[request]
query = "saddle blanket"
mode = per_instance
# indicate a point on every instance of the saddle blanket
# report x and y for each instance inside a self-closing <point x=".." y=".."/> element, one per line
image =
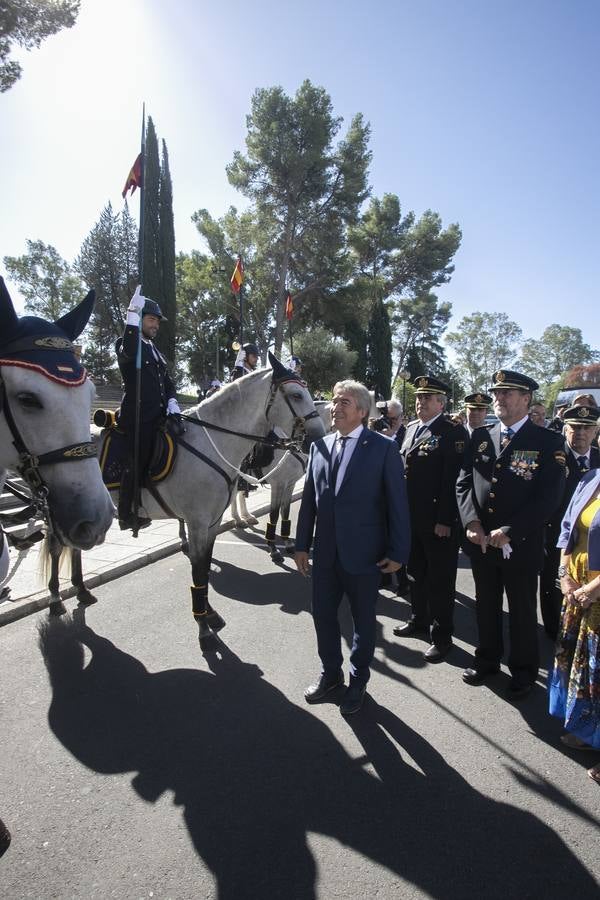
<point x="113" y="456"/>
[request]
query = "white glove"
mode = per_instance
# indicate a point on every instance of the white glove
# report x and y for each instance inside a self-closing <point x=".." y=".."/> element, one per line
<point x="240" y="358"/>
<point x="506" y="551"/>
<point x="137" y="302"/>
<point x="173" y="407"/>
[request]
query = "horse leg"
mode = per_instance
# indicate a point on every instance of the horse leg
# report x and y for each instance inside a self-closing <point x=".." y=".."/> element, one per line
<point x="185" y="546"/>
<point x="204" y="614"/>
<point x="247" y="517"/>
<point x="235" y="515"/>
<point x="286" y="527"/>
<point x="271" y="531"/>
<point x="55" y="549"/>
<point x="84" y="596"/>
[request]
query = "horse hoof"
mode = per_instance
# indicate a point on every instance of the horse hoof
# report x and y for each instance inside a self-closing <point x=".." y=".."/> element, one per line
<point x="215" y="621"/>
<point x="240" y="523"/>
<point x="277" y="557"/>
<point x="208" y="642"/>
<point x="251" y="520"/>
<point x="86" y="598"/>
<point x="57" y="608"/>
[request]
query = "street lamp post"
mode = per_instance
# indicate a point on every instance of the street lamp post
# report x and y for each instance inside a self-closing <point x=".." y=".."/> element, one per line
<point x="404" y="375"/>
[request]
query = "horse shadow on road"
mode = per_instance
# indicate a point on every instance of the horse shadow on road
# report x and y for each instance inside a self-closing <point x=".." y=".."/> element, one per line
<point x="255" y="774"/>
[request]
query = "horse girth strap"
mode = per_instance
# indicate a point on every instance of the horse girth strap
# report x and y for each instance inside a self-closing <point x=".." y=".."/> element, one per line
<point x="208" y="461"/>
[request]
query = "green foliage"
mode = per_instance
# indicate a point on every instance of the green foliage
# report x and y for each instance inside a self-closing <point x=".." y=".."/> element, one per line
<point x="326" y="360"/>
<point x="418" y="323"/>
<point x="47" y="282"/>
<point x="483" y="343"/>
<point x="379" y="351"/>
<point x="107" y="262"/>
<point x="305" y="191"/>
<point x="168" y="329"/>
<point x="27" y="23"/>
<point x="559" y="349"/>
<point x="151" y="256"/>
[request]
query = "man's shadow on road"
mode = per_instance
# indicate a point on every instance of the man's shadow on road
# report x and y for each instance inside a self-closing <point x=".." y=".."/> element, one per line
<point x="255" y="774"/>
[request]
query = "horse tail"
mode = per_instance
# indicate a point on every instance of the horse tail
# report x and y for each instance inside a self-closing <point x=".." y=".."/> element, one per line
<point x="51" y="549"/>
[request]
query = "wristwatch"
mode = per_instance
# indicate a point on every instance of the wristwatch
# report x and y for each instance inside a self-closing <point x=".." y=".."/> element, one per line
<point x="562" y="571"/>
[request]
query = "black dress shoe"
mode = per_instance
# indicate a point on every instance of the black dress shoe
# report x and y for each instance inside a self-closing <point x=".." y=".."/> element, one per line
<point x="409" y="628"/>
<point x="437" y="652"/>
<point x="353" y="699"/>
<point x="518" y="689"/>
<point x="478" y="676"/>
<point x="4" y="838"/>
<point x="322" y="687"/>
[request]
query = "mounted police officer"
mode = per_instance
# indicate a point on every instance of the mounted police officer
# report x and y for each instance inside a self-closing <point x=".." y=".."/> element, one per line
<point x="246" y="361"/>
<point x="157" y="395"/>
<point x="580" y="429"/>
<point x="510" y="486"/>
<point x="432" y="451"/>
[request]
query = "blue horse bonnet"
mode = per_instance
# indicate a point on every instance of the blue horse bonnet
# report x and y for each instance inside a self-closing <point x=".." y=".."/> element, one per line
<point x="42" y="346"/>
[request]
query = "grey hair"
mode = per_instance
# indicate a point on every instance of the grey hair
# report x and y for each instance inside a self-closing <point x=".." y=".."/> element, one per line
<point x="395" y="404"/>
<point x="358" y="391"/>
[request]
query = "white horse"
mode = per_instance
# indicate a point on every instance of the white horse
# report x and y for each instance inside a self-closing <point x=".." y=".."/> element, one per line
<point x="220" y="432"/>
<point x="282" y="474"/>
<point x="45" y="404"/>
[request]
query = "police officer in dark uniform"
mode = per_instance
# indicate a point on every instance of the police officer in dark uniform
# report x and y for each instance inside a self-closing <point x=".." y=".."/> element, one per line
<point x="246" y="361"/>
<point x="433" y="450"/>
<point x="580" y="429"/>
<point x="158" y="396"/>
<point x="477" y="406"/>
<point x="510" y="486"/>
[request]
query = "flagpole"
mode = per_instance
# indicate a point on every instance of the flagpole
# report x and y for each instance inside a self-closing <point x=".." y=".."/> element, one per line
<point x="241" y="310"/>
<point x="138" y="359"/>
<point x="291" y="337"/>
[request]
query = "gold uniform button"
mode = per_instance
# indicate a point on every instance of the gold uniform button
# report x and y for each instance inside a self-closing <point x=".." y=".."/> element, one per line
<point x="498" y="465"/>
<point x="494" y="480"/>
<point x="492" y="495"/>
<point x="490" y="510"/>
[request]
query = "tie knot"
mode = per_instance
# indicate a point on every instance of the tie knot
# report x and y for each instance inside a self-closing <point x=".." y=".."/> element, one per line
<point x="582" y="460"/>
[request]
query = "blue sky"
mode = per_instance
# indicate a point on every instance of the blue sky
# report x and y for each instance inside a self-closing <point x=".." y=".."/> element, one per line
<point x="486" y="112"/>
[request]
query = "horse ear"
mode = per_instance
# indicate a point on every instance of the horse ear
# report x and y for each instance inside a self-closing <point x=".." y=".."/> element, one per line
<point x="8" y="316"/>
<point x="279" y="370"/>
<point x="75" y="321"/>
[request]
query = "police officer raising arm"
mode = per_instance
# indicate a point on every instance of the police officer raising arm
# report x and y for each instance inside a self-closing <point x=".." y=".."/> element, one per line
<point x="157" y="395"/>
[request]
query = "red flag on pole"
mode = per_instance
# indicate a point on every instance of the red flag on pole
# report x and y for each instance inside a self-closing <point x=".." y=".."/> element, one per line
<point x="289" y="307"/>
<point x="237" y="278"/>
<point x="134" y="179"/>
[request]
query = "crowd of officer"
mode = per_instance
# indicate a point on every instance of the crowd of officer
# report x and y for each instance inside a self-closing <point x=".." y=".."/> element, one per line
<point x="496" y="486"/>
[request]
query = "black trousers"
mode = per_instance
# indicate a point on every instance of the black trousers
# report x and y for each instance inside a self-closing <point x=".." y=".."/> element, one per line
<point x="550" y="594"/>
<point x="127" y="489"/>
<point x="432" y="565"/>
<point x="493" y="576"/>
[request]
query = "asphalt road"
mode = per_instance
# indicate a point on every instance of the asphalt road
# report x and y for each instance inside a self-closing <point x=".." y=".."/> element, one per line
<point x="132" y="766"/>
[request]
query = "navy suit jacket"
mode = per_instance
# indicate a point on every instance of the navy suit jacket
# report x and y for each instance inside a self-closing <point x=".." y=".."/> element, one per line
<point x="368" y="519"/>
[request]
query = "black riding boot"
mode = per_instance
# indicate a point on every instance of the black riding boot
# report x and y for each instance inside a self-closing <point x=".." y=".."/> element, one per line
<point x="126" y="517"/>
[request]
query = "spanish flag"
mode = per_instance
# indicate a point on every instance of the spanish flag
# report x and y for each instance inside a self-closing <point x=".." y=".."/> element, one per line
<point x="237" y="278"/>
<point x="289" y="307"/>
<point x="134" y="179"/>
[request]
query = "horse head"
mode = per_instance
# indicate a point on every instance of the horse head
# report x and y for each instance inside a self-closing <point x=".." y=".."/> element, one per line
<point x="45" y="404"/>
<point x="292" y="403"/>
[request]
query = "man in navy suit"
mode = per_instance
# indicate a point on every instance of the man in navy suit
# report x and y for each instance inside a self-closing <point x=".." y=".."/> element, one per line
<point x="354" y="501"/>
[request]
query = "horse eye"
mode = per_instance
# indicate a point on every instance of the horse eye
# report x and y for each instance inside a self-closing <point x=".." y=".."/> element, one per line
<point x="29" y="401"/>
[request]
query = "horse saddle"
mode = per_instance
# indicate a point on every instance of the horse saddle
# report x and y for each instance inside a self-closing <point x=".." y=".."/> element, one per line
<point x="113" y="456"/>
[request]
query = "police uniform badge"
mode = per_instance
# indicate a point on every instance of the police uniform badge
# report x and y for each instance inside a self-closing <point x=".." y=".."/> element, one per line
<point x="560" y="457"/>
<point x="421" y="382"/>
<point x="482" y="446"/>
<point x="459" y="446"/>
<point x="583" y="412"/>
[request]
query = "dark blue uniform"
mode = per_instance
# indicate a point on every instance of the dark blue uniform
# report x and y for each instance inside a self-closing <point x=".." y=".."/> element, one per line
<point x="516" y="489"/>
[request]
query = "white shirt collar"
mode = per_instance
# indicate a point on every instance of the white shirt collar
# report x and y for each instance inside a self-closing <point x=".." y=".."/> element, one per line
<point x="353" y="434"/>
<point x="516" y="426"/>
<point x="429" y="423"/>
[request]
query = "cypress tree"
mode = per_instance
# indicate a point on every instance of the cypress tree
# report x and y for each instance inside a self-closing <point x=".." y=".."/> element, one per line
<point x="167" y="333"/>
<point x="379" y="352"/>
<point x="152" y="257"/>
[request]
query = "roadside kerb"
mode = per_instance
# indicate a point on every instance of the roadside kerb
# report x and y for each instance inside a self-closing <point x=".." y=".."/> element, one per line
<point x="11" y="611"/>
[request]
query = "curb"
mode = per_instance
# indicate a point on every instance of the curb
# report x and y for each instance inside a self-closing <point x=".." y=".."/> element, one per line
<point x="20" y="608"/>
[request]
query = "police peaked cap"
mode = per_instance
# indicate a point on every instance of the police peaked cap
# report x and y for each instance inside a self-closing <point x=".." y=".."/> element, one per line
<point x="151" y="308"/>
<point x="429" y="384"/>
<point x="478" y="401"/>
<point x="581" y="415"/>
<point x="506" y="380"/>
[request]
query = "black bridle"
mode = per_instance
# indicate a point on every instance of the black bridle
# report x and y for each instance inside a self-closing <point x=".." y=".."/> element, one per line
<point x="292" y="443"/>
<point x="29" y="463"/>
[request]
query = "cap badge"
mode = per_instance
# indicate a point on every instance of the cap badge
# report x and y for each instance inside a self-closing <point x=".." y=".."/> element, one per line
<point x="500" y="376"/>
<point x="583" y="412"/>
<point x="421" y="382"/>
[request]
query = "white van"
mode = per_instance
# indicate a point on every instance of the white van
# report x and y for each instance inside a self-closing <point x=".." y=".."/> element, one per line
<point x="566" y="397"/>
